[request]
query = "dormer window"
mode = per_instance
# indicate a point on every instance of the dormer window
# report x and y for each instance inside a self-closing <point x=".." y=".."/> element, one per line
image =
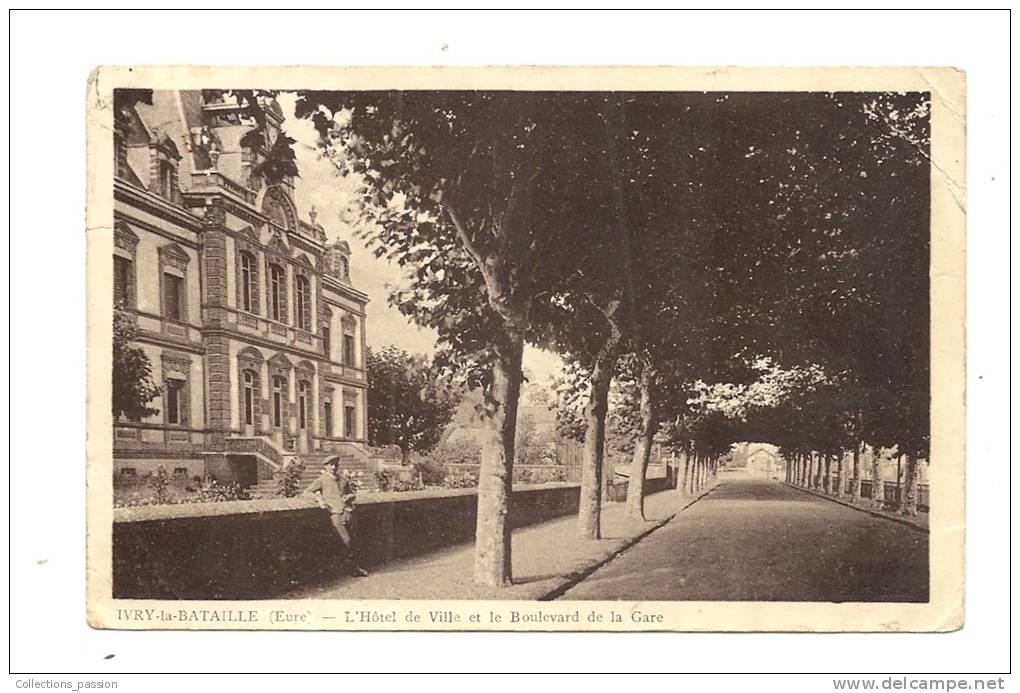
<point x="119" y="154"/>
<point x="167" y="179"/>
<point x="163" y="172"/>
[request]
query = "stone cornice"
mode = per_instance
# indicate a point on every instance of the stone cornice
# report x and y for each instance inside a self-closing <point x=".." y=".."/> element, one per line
<point x="154" y="204"/>
<point x="248" y="338"/>
<point x="121" y="215"/>
<point x="146" y="337"/>
<point x="231" y="203"/>
<point x="308" y="244"/>
<point x="349" y="291"/>
<point x="341" y="380"/>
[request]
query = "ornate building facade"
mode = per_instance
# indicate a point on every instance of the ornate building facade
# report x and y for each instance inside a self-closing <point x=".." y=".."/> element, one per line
<point x="244" y="309"/>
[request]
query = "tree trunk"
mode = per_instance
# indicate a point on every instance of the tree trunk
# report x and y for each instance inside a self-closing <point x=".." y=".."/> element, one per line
<point x="908" y="501"/>
<point x="590" y="511"/>
<point x="608" y="477"/>
<point x="405" y="456"/>
<point x="681" y="476"/>
<point x="899" y="482"/>
<point x="492" y="564"/>
<point x="642" y="447"/>
<point x="840" y="483"/>
<point x="828" y="474"/>
<point x="855" y="481"/>
<point x="877" y="486"/>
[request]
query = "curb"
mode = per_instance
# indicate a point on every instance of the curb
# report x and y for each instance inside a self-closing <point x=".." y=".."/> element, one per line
<point x="876" y="513"/>
<point x="587" y="569"/>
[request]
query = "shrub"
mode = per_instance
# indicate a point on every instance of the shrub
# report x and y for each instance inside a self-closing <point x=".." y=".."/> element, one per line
<point x="160" y="485"/>
<point x="391" y="481"/>
<point x="538" y="476"/>
<point x="288" y="481"/>
<point x="213" y="491"/>
<point x="463" y="451"/>
<point x="461" y="480"/>
<point x="429" y="474"/>
<point x="385" y="480"/>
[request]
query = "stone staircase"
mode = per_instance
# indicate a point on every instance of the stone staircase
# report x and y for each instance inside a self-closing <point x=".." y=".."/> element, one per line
<point x="313" y="462"/>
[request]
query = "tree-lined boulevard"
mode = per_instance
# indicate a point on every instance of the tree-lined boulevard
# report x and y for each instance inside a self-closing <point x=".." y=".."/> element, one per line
<point x="737" y="266"/>
<point x="759" y="540"/>
<point x="711" y="268"/>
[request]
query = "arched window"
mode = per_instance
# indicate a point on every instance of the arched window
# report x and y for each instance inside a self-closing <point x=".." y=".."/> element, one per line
<point x="277" y="293"/>
<point x="304" y="396"/>
<point x="303" y="302"/>
<point x="279" y="392"/>
<point x="249" y="282"/>
<point x="250" y="393"/>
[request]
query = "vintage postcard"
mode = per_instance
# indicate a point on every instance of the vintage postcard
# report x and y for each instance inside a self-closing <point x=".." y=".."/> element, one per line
<point x="526" y="348"/>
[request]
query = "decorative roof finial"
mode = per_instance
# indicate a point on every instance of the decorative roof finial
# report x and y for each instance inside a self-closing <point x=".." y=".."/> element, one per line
<point x="312" y="213"/>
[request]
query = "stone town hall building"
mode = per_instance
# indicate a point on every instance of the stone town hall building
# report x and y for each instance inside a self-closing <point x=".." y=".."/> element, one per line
<point x="244" y="308"/>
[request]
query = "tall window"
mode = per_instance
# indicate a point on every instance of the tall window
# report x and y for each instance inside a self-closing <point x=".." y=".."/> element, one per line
<point x="279" y="387"/>
<point x="327" y="345"/>
<point x="304" y="394"/>
<point x="249" y="398"/>
<point x="327" y="413"/>
<point x="277" y="298"/>
<point x="174" y="401"/>
<point x="249" y="282"/>
<point x="303" y="303"/>
<point x="350" y="421"/>
<point x="173" y="295"/>
<point x="349" y="350"/>
<point x="121" y="280"/>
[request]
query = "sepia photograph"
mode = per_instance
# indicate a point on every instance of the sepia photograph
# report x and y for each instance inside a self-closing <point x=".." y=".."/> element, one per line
<point x="401" y="350"/>
<point x="353" y="344"/>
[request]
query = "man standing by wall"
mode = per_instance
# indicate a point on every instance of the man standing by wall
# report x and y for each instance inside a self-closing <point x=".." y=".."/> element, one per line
<point x="336" y="494"/>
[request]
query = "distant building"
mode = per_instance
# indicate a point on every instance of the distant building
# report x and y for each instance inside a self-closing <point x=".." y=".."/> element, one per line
<point x="764" y="463"/>
<point x="244" y="309"/>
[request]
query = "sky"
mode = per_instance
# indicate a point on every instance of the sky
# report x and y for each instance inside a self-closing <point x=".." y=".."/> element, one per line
<point x="334" y="197"/>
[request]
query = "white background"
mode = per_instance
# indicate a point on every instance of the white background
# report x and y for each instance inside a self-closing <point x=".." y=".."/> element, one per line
<point x="51" y="56"/>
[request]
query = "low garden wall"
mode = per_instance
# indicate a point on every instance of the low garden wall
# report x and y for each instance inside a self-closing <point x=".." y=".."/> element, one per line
<point x="619" y="488"/>
<point x="252" y="549"/>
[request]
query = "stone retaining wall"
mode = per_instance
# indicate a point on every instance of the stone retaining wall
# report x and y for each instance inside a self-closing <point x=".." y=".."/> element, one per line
<point x="253" y="549"/>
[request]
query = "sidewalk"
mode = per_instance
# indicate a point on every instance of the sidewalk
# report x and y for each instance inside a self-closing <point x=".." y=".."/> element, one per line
<point x="919" y="521"/>
<point x="547" y="559"/>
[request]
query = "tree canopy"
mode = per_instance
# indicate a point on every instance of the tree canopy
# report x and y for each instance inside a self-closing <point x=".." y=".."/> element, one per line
<point x="410" y="405"/>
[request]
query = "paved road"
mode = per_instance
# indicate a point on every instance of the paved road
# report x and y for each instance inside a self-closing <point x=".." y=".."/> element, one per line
<point x="759" y="540"/>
